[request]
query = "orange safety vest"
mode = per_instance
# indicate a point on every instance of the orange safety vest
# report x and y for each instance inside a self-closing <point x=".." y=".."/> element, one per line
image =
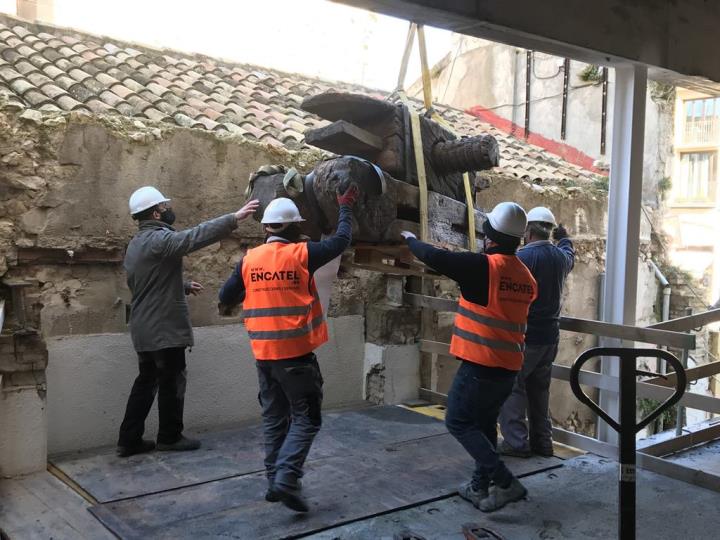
<point x="282" y="310"/>
<point x="494" y="335"/>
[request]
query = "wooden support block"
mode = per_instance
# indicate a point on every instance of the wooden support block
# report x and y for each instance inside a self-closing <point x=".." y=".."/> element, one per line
<point x="38" y="255"/>
<point x="342" y="137"/>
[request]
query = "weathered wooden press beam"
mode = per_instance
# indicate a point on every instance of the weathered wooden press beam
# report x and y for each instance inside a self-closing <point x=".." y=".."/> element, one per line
<point x="379" y="131"/>
<point x="386" y="206"/>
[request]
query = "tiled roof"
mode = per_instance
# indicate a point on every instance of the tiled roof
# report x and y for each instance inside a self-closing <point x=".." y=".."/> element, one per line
<point x="58" y="69"/>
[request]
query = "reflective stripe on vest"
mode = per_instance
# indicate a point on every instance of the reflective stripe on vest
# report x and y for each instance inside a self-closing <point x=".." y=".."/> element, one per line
<point x="492" y="343"/>
<point x="275" y="311"/>
<point x="494" y="335"/>
<point x="489" y="321"/>
<point x="282" y="313"/>
<point x="287" y="334"/>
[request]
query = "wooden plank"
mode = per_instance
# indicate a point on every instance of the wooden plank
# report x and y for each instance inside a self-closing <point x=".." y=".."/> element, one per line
<point x="342" y="137"/>
<point x="354" y="108"/>
<point x="434" y="347"/>
<point x="422" y="301"/>
<point x="685" y="324"/>
<point x="37" y="255"/>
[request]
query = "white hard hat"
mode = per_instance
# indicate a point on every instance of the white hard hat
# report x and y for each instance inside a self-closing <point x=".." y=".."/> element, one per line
<point x="281" y="210"/>
<point x="541" y="214"/>
<point x="508" y="218"/>
<point x="144" y="198"/>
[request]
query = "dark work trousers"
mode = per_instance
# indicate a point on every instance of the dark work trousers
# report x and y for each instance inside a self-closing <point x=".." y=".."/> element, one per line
<point x="161" y="372"/>
<point x="531" y="396"/>
<point x="291" y="400"/>
<point x="473" y="405"/>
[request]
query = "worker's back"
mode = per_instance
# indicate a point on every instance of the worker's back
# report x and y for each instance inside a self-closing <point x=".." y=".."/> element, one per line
<point x="160" y="316"/>
<point x="550" y="266"/>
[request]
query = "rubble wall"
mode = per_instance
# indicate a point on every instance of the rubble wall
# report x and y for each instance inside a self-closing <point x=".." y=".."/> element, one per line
<point x="64" y="185"/>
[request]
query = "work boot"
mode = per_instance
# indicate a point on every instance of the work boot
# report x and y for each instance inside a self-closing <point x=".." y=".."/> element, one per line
<point x="141" y="448"/>
<point x="472" y="492"/>
<point x="271" y="495"/>
<point x="499" y="497"/>
<point x="183" y="444"/>
<point x="292" y="498"/>
<point x="505" y="449"/>
<point x="543" y="451"/>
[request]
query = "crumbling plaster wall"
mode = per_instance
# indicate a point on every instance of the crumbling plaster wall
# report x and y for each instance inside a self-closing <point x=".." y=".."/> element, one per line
<point x="64" y="183"/>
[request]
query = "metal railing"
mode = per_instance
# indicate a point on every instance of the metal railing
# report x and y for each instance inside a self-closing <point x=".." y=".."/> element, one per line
<point x="704" y="131"/>
<point x="673" y="334"/>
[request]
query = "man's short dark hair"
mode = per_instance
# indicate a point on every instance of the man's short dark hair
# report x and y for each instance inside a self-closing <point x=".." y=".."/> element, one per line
<point x="540" y="230"/>
<point x="145" y="214"/>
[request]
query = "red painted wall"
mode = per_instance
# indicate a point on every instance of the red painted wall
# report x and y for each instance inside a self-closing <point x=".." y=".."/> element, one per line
<point x="565" y="151"/>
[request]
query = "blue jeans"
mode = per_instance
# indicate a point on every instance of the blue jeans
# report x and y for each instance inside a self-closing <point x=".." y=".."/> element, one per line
<point x="474" y="402"/>
<point x="291" y="399"/>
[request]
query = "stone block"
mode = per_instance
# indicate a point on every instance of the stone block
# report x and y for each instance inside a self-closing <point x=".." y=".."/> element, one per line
<point x="23" y="424"/>
<point x="34" y="221"/>
<point x="392" y="325"/>
<point x="22" y="353"/>
<point x="391" y="373"/>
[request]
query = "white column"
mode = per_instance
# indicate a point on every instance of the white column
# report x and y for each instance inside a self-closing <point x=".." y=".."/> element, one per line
<point x="624" y="209"/>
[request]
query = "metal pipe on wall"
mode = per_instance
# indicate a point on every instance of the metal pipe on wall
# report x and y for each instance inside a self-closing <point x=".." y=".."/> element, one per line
<point x="528" y="75"/>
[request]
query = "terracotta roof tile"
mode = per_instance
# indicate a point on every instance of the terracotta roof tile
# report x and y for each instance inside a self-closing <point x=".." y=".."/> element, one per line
<point x="38" y="60"/>
<point x="36" y="98"/>
<point x="53" y="91"/>
<point x="59" y="69"/>
<point x="157" y="116"/>
<point x="81" y="92"/>
<point x="97" y="106"/>
<point x="63" y="81"/>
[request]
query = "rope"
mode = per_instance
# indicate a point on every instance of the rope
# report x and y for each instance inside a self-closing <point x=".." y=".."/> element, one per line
<point x="417" y="134"/>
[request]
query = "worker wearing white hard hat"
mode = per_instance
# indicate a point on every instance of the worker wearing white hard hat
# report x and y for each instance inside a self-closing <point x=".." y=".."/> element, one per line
<point x="488" y="338"/>
<point x="160" y="323"/>
<point x="285" y="322"/>
<point x="525" y="417"/>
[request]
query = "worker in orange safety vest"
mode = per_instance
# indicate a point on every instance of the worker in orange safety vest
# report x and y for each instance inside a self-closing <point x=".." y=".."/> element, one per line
<point x="285" y="323"/>
<point x="488" y="338"/>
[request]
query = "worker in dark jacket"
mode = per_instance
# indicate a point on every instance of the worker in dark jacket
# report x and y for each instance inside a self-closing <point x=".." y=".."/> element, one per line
<point x="285" y="323"/>
<point x="550" y="265"/>
<point x="488" y="336"/>
<point x="160" y="321"/>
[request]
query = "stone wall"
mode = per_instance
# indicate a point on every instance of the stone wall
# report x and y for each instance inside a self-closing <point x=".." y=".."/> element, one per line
<point x="64" y="184"/>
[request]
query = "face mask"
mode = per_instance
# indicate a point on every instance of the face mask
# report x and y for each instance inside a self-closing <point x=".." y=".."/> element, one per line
<point x="168" y="216"/>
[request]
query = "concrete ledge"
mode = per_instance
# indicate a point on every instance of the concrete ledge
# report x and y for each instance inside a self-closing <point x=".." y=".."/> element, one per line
<point x="23" y="428"/>
<point x="391" y="373"/>
<point x="89" y="379"/>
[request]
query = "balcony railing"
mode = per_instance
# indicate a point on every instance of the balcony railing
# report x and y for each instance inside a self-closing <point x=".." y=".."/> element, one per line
<point x="700" y="132"/>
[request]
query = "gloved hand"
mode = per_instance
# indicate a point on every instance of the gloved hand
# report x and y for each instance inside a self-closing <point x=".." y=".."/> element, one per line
<point x="407" y="234"/>
<point x="559" y="233"/>
<point x="350" y="196"/>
